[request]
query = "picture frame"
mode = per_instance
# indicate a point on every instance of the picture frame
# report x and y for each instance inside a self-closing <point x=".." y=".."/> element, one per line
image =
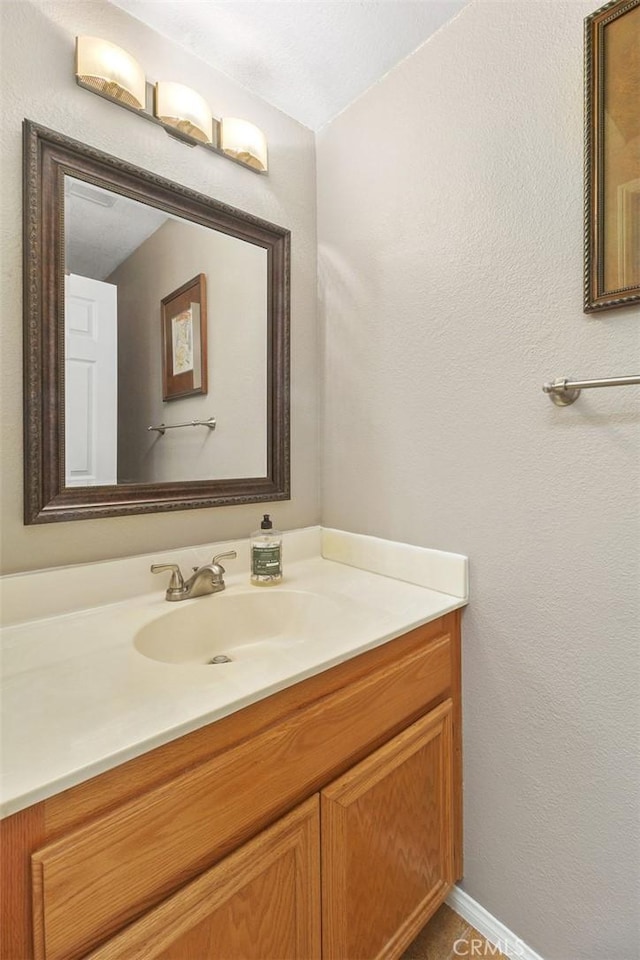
<point x="612" y="156"/>
<point x="184" y="340"/>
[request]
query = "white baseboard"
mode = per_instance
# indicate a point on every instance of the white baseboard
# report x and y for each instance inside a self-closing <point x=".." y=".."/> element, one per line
<point x="490" y="927"/>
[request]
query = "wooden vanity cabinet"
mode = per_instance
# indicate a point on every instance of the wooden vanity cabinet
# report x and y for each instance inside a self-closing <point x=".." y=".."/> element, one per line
<point x="321" y="821"/>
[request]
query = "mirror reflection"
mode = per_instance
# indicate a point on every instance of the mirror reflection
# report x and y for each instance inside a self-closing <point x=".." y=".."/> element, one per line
<point x="166" y="322"/>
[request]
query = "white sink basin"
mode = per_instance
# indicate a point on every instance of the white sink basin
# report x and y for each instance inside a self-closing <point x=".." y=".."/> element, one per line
<point x="240" y="626"/>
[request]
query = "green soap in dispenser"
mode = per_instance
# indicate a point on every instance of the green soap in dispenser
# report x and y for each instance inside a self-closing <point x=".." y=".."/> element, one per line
<point x="266" y="554"/>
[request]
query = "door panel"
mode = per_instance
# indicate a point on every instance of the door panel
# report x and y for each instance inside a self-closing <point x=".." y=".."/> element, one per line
<point x="91" y="382"/>
<point x="260" y="903"/>
<point x="387" y="843"/>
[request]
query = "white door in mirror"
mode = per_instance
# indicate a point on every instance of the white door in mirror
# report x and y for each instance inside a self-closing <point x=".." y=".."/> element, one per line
<point x="91" y="377"/>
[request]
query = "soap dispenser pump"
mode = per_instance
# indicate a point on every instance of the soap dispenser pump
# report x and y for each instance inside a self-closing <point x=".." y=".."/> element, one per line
<point x="266" y="554"/>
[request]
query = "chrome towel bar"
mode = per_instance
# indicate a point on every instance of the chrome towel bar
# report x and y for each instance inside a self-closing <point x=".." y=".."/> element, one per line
<point x="563" y="392"/>
<point x="211" y="423"/>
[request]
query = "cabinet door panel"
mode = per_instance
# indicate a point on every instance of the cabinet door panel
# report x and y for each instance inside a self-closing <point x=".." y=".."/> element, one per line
<point x="387" y="843"/>
<point x="261" y="903"/>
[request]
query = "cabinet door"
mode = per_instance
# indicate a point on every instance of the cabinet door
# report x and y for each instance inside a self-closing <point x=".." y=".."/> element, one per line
<point x="387" y="843"/>
<point x="260" y="903"/>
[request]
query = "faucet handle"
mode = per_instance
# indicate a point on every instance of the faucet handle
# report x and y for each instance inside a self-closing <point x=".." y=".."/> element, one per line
<point x="176" y="584"/>
<point x="222" y="556"/>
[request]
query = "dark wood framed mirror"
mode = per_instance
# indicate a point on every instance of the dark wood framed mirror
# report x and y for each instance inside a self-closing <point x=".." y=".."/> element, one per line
<point x="104" y="243"/>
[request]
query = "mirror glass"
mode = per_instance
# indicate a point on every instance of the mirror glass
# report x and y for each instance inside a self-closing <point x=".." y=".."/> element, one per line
<point x="156" y="331"/>
<point x="122" y="259"/>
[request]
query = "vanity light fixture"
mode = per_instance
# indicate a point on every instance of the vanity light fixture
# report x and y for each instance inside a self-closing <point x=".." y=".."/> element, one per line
<point x="110" y="72"/>
<point x="181" y="107"/>
<point x="243" y="141"/>
<point x="104" y="68"/>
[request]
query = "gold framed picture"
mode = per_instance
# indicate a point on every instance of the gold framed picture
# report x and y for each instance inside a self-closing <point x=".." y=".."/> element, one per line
<point x="612" y="156"/>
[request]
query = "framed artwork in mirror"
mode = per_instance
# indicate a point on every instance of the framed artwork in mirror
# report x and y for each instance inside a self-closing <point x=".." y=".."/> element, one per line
<point x="612" y="156"/>
<point x="184" y="340"/>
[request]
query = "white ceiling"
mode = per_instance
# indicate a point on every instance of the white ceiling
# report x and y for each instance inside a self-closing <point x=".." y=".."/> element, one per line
<point x="309" y="58"/>
<point x="102" y="228"/>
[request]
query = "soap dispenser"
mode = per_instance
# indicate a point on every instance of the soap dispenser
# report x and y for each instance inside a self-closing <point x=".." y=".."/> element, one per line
<point x="266" y="554"/>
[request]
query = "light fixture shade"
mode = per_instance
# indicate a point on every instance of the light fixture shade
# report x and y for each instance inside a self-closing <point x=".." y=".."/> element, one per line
<point x="243" y="141"/>
<point x="110" y="71"/>
<point x="181" y="107"/>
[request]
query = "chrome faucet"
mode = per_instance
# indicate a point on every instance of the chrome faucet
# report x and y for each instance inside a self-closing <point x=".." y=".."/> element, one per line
<point x="204" y="580"/>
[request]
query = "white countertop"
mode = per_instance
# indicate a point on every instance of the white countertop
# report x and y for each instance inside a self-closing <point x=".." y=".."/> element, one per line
<point x="78" y="698"/>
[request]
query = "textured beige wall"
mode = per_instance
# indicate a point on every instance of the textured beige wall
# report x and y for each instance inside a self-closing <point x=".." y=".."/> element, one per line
<point x="450" y="252"/>
<point x="236" y="286"/>
<point x="37" y="82"/>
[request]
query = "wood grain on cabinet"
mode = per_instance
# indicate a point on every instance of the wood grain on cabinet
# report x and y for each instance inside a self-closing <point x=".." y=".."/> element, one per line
<point x="93" y="880"/>
<point x="456" y="729"/>
<point x="19" y="835"/>
<point x="387" y="843"/>
<point x="262" y="901"/>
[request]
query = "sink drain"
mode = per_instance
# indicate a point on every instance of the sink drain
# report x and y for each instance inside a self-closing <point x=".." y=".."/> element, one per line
<point x="221" y="658"/>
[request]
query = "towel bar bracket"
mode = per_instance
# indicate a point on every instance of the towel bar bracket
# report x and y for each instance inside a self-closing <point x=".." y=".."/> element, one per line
<point x="560" y="393"/>
<point x="564" y="392"/>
